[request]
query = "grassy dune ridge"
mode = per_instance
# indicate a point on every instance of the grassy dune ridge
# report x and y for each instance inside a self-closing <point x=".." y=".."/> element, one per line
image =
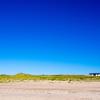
<point x="22" y="77"/>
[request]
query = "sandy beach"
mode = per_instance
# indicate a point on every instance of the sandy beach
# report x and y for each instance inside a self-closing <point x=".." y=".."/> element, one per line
<point x="50" y="90"/>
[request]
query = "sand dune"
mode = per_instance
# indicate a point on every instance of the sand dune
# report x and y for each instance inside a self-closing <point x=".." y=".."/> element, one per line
<point x="50" y="90"/>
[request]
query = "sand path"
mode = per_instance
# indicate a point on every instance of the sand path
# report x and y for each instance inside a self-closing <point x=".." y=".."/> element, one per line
<point x="48" y="90"/>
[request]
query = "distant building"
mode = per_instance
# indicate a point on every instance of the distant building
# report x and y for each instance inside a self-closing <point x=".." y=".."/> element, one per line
<point x="94" y="74"/>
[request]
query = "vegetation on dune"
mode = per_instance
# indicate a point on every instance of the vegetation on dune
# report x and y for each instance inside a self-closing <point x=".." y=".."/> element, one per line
<point x="22" y="77"/>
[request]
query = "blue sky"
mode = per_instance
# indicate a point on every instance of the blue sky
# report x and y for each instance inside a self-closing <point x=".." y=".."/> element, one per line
<point x="49" y="36"/>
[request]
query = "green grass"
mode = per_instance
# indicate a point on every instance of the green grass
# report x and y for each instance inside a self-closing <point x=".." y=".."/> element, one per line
<point x="22" y="77"/>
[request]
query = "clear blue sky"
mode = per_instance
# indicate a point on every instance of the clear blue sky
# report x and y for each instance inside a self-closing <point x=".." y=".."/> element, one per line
<point x="49" y="36"/>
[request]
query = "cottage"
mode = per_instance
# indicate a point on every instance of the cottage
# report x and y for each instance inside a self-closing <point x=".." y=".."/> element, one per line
<point x="94" y="74"/>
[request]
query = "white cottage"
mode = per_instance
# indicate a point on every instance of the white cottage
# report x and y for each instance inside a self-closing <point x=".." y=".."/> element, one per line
<point x="94" y="74"/>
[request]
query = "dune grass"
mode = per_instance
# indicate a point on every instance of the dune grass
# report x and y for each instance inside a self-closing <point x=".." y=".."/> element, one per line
<point x="22" y="77"/>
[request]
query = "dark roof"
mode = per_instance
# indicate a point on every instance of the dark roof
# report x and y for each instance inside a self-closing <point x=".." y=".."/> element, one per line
<point x="94" y="73"/>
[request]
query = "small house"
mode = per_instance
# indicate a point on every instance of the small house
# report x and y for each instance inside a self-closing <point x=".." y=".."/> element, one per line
<point x="94" y="74"/>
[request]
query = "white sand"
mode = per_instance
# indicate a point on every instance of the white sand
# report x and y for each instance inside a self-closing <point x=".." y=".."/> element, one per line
<point x="48" y="90"/>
